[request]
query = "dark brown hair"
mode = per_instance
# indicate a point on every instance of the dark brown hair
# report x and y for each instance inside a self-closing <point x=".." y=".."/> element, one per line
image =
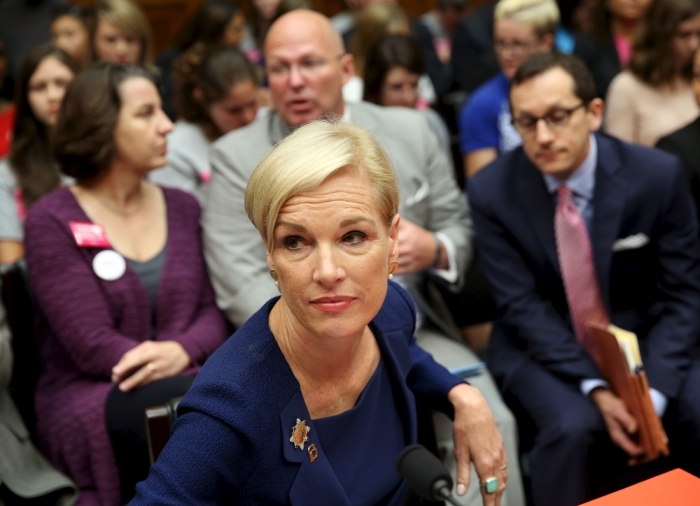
<point x="653" y="60"/>
<point x="83" y="143"/>
<point x="207" y="25"/>
<point x="214" y="71"/>
<point x="539" y="63"/>
<point x="30" y="156"/>
<point x="389" y="52"/>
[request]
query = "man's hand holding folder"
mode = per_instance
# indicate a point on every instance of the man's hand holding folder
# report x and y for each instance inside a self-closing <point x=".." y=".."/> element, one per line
<point x="641" y="435"/>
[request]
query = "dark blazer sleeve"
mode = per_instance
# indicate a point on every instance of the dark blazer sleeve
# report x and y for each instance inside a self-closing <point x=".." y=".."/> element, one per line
<point x="667" y="347"/>
<point x="426" y="378"/>
<point x="685" y="144"/>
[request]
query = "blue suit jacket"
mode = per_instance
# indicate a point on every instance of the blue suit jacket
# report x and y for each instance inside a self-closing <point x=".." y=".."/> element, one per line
<point x="653" y="290"/>
<point x="230" y="443"/>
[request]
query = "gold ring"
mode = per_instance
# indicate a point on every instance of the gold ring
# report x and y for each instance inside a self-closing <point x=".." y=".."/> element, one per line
<point x="151" y="367"/>
<point x="504" y="467"/>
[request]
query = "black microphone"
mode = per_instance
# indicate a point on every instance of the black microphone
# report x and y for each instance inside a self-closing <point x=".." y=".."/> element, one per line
<point x="425" y="474"/>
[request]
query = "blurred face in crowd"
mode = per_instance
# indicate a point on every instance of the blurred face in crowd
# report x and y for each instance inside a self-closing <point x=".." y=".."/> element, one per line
<point x="514" y="42"/>
<point x="139" y="136"/>
<point x="686" y="40"/>
<point x="47" y="86"/>
<point x="112" y="44"/>
<point x="400" y="88"/>
<point x="235" y="30"/>
<point x="70" y="34"/>
<point x="553" y="122"/>
<point x="237" y="109"/>
<point x="629" y="10"/>
<point x="266" y="8"/>
<point x="331" y="251"/>
<point x="306" y="67"/>
<point x="696" y="76"/>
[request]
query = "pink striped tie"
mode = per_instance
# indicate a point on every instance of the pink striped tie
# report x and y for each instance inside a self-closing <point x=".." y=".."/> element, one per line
<point x="577" y="269"/>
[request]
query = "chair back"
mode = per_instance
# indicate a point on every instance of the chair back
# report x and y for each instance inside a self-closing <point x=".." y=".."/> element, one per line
<point x="19" y="308"/>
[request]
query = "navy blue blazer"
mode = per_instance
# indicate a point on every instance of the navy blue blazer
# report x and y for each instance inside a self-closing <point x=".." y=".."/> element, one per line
<point x="230" y="443"/>
<point x="650" y="286"/>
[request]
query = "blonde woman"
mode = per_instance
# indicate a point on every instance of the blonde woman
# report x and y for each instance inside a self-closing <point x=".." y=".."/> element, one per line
<point x="521" y="28"/>
<point x="122" y="33"/>
<point x="315" y="395"/>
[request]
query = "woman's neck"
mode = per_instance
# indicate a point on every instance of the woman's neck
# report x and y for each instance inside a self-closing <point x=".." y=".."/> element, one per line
<point x="120" y="190"/>
<point x="318" y="359"/>
<point x="624" y="28"/>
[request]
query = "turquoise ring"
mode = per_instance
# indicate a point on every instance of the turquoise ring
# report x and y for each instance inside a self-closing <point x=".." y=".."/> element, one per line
<point x="490" y="485"/>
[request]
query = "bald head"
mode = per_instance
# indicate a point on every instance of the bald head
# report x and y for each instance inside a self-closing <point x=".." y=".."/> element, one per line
<point x="305" y="23"/>
<point x="306" y="67"/>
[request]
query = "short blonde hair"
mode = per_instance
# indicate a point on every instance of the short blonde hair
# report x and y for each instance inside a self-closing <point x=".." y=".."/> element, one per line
<point x="309" y="156"/>
<point x="542" y="15"/>
<point x="130" y="19"/>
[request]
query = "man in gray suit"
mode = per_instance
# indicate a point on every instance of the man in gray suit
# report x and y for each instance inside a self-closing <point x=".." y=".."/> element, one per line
<point x="306" y="68"/>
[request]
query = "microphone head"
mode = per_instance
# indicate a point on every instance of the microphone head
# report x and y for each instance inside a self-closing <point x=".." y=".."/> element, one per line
<point x="423" y="471"/>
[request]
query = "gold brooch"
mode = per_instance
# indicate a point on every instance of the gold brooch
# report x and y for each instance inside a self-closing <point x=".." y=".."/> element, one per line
<point x="300" y="434"/>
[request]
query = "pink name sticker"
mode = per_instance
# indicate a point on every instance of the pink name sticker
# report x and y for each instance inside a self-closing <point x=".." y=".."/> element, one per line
<point x="89" y="235"/>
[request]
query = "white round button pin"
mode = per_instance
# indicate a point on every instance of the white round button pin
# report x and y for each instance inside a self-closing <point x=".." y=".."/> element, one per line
<point x="109" y="265"/>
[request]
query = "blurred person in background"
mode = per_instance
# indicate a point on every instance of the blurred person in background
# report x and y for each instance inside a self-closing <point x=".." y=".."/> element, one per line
<point x="441" y="22"/>
<point x="70" y="30"/>
<point x="263" y="14"/>
<point x="126" y="313"/>
<point x="122" y="33"/>
<point x="216" y="22"/>
<point x="7" y="108"/>
<point x="371" y="24"/>
<point x="653" y="96"/>
<point x="608" y="49"/>
<point x="521" y="28"/>
<point x="30" y="171"/>
<point x="685" y="142"/>
<point x="216" y="91"/>
<point x="393" y="68"/>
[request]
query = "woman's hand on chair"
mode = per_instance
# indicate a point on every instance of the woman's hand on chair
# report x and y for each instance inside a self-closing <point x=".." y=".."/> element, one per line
<point x="149" y="361"/>
<point x="477" y="440"/>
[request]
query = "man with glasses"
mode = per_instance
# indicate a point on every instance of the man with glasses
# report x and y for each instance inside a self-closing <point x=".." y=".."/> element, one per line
<point x="306" y="70"/>
<point x="520" y="28"/>
<point x="639" y="229"/>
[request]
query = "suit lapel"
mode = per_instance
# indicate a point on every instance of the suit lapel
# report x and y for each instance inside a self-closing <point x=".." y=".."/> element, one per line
<point x="608" y="206"/>
<point x="538" y="204"/>
<point x="314" y="479"/>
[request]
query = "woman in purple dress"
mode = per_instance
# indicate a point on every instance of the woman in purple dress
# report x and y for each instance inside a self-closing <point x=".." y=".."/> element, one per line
<point x="126" y="311"/>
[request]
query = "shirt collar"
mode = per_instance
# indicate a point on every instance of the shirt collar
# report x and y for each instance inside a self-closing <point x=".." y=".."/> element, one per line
<point x="582" y="181"/>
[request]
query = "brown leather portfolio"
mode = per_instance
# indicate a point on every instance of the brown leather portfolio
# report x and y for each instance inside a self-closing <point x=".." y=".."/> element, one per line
<point x="618" y="358"/>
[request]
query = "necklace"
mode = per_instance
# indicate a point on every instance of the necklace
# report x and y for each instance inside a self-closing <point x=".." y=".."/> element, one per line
<point x="124" y="214"/>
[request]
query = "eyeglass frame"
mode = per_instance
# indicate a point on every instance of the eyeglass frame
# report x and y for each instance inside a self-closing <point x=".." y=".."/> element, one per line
<point x="318" y="63"/>
<point x="518" y="47"/>
<point x="552" y="126"/>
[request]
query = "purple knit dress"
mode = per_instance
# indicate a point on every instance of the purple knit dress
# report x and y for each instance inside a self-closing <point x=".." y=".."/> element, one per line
<point x="86" y="324"/>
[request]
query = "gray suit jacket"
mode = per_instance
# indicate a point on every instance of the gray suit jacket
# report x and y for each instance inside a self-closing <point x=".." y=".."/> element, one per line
<point x="22" y="468"/>
<point x="234" y="250"/>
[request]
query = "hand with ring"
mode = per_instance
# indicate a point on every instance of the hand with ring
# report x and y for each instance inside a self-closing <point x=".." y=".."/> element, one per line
<point x="477" y="440"/>
<point x="149" y="361"/>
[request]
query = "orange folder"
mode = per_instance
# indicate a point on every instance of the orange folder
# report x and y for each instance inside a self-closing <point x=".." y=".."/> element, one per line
<point x="617" y="355"/>
<point x="675" y="488"/>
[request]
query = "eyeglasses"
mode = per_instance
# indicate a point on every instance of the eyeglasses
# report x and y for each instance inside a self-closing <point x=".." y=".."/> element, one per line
<point x="306" y="67"/>
<point x="516" y="47"/>
<point x="554" y="119"/>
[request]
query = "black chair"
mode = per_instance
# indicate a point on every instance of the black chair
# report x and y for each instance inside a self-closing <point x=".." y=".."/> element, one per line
<point x="19" y="307"/>
<point x="159" y="420"/>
